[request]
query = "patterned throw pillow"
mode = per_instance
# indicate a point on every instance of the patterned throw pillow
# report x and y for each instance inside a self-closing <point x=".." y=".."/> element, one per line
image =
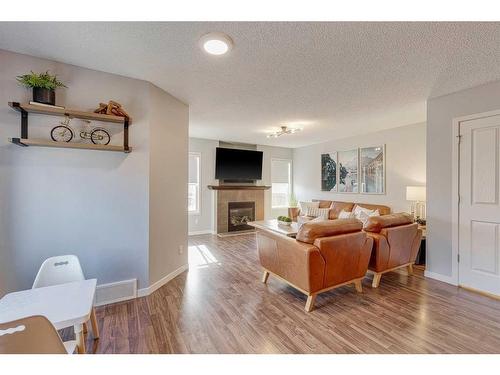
<point x="363" y="214"/>
<point x="346" y="215"/>
<point x="318" y="212"/>
<point x="304" y="205"/>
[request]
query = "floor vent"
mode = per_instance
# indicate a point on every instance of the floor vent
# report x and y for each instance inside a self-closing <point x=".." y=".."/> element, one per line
<point x="115" y="292"/>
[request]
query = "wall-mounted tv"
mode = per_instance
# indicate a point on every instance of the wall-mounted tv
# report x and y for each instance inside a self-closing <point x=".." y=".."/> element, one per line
<point x="235" y="164"/>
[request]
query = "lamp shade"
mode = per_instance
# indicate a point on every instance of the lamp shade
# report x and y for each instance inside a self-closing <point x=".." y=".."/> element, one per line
<point x="415" y="193"/>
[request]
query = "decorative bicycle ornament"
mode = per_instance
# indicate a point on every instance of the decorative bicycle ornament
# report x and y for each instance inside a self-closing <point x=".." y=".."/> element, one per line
<point x="64" y="133"/>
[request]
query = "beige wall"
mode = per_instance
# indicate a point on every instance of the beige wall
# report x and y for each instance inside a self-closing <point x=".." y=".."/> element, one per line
<point x="405" y="165"/>
<point x="167" y="184"/>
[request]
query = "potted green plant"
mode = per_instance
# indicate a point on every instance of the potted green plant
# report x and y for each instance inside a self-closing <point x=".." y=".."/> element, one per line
<point x="44" y="86"/>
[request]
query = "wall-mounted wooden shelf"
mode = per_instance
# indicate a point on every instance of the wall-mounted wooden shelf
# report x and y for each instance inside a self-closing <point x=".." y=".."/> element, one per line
<point x="25" y="141"/>
<point x="30" y="108"/>
<point x="81" y="146"/>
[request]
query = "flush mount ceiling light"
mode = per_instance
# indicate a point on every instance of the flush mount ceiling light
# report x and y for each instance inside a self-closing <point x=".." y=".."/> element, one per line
<point x="284" y="130"/>
<point x="216" y="43"/>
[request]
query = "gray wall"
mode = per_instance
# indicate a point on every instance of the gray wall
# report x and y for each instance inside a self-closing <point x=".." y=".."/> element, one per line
<point x="205" y="220"/>
<point x="405" y="165"/>
<point x="90" y="203"/>
<point x="440" y="114"/>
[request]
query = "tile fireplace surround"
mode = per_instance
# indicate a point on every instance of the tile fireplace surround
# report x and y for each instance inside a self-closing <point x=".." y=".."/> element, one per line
<point x="224" y="194"/>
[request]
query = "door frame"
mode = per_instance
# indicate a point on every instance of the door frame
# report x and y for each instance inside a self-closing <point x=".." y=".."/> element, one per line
<point x="455" y="191"/>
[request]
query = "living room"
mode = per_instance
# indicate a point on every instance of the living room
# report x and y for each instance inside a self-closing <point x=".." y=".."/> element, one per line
<point x="249" y="188"/>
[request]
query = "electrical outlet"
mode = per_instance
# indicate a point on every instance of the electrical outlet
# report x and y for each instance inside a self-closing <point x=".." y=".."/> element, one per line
<point x="181" y="249"/>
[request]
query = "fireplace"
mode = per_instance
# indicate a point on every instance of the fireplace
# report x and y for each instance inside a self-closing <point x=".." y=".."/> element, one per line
<point x="239" y="214"/>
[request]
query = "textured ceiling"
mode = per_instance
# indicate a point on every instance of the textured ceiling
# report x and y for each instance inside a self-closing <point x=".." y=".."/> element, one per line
<point x="333" y="79"/>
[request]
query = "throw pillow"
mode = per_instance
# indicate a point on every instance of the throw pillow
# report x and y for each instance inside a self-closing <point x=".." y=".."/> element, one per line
<point x="346" y="215"/>
<point x="363" y="215"/>
<point x="303" y="206"/>
<point x="318" y="212"/>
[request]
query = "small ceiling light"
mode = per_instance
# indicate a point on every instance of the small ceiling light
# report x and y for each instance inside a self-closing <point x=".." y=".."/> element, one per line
<point x="284" y="130"/>
<point x="216" y="43"/>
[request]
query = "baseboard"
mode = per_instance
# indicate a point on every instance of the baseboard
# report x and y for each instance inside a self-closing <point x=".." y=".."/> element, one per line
<point x="115" y="292"/>
<point x="147" y="291"/>
<point x="198" y="232"/>
<point x="438" y="276"/>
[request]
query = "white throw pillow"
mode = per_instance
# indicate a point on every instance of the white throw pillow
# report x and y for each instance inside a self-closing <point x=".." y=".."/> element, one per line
<point x="304" y="205"/>
<point x="346" y="215"/>
<point x="363" y="214"/>
<point x="318" y="212"/>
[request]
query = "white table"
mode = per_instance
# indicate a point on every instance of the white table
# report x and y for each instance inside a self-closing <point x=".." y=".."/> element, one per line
<point x="65" y="305"/>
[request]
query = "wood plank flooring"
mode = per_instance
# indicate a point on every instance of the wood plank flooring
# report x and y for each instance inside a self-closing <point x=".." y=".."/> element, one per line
<point x="221" y="306"/>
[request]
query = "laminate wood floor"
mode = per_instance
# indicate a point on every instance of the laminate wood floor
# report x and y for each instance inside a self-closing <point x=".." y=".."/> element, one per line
<point x="221" y="306"/>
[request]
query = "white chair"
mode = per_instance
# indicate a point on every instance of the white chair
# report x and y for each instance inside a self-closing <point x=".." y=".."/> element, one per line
<point x="61" y="270"/>
<point x="32" y="335"/>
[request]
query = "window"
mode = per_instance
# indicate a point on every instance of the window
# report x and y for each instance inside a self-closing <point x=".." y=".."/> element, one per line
<point x="281" y="182"/>
<point x="194" y="183"/>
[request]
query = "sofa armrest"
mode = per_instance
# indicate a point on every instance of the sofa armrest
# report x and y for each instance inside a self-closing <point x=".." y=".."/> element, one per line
<point x="346" y="256"/>
<point x="298" y="263"/>
<point x="380" y="254"/>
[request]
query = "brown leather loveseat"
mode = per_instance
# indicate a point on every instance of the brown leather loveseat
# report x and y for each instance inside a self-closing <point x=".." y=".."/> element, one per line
<point x="396" y="240"/>
<point x="324" y="255"/>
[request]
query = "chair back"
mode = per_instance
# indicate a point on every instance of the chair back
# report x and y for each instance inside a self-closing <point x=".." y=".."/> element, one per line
<point x="59" y="270"/>
<point x="31" y="335"/>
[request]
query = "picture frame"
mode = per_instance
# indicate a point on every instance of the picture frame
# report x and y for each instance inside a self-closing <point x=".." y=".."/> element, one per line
<point x="372" y="173"/>
<point x="329" y="172"/>
<point x="348" y="171"/>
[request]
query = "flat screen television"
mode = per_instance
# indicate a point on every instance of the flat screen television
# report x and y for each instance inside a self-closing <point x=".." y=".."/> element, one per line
<point x="238" y="165"/>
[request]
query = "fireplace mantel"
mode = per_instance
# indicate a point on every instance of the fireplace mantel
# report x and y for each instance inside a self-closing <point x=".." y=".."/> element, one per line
<point x="238" y="187"/>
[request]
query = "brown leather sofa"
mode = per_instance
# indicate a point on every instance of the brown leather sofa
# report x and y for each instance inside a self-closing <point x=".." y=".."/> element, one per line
<point x="396" y="240"/>
<point x="324" y="255"/>
<point x="336" y="207"/>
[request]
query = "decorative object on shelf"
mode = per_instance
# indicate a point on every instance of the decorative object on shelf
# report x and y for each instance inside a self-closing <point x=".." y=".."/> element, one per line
<point x="417" y="195"/>
<point x="284" y="220"/>
<point x="372" y="169"/>
<point x="284" y="130"/>
<point x="64" y="133"/>
<point x="348" y="161"/>
<point x="25" y="141"/>
<point x="112" y="108"/>
<point x="44" y="86"/>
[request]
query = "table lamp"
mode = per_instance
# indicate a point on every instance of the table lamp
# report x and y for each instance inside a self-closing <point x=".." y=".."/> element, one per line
<point x="416" y="194"/>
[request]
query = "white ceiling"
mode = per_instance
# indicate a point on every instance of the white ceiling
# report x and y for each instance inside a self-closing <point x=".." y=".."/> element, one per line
<point x="332" y="79"/>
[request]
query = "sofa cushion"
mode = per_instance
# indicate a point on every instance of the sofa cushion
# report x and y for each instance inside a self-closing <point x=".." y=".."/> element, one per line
<point x="323" y="203"/>
<point x="337" y="207"/>
<point x="310" y="231"/>
<point x="376" y="223"/>
<point x="346" y="215"/>
<point x="383" y="210"/>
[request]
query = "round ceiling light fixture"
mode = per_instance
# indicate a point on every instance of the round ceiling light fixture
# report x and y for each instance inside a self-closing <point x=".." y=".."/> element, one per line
<point x="216" y="43"/>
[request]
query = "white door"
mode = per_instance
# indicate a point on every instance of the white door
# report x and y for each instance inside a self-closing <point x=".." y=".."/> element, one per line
<point x="479" y="210"/>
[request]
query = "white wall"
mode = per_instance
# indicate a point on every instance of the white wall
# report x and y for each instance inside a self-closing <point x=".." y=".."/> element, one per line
<point x="93" y="204"/>
<point x="167" y="185"/>
<point x="405" y="165"/>
<point x="204" y="222"/>
<point x="269" y="154"/>
<point x="440" y="114"/>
